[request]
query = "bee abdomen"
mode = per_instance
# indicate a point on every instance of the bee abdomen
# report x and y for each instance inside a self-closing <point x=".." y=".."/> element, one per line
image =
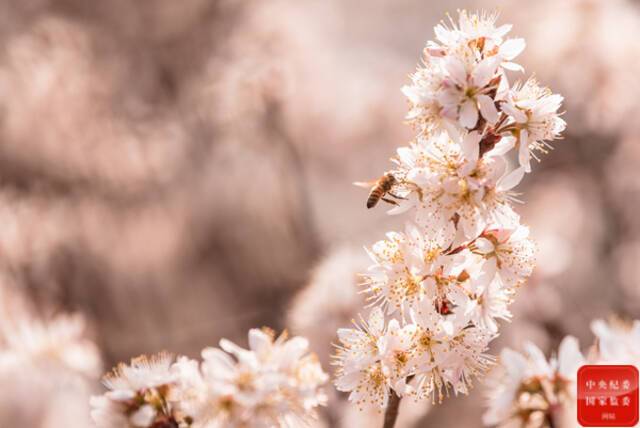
<point x="374" y="197"/>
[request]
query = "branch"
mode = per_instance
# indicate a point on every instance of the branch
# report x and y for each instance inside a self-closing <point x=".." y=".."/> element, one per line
<point x="391" y="413"/>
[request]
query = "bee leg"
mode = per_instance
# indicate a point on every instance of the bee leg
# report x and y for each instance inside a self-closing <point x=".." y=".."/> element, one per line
<point x="389" y="201"/>
<point x="396" y="196"/>
<point x="416" y="188"/>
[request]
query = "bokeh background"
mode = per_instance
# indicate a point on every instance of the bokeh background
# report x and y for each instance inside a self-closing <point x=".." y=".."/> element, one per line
<point x="174" y="172"/>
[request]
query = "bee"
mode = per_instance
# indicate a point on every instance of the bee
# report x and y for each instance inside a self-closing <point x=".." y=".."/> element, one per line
<point x="384" y="186"/>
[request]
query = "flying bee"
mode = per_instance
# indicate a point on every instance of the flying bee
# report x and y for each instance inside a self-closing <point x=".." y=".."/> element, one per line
<point x="386" y="185"/>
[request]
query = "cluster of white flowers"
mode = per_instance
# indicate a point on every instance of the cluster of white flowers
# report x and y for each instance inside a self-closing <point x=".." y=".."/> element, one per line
<point x="275" y="383"/>
<point x="535" y="393"/>
<point x="29" y="340"/>
<point x="439" y="287"/>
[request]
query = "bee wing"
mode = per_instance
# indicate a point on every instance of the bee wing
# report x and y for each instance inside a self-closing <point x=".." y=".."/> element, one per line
<point x="365" y="184"/>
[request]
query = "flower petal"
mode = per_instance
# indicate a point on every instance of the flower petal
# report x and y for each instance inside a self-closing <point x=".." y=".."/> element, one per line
<point x="524" y="157"/>
<point x="484" y="72"/>
<point x="511" y="48"/>
<point x="510" y="180"/>
<point x="569" y="357"/>
<point x="468" y="114"/>
<point x="470" y="146"/>
<point x="488" y="108"/>
<point x="456" y="70"/>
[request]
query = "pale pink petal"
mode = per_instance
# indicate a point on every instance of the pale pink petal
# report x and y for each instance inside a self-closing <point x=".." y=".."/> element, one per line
<point x="514" y="112"/>
<point x="470" y="146"/>
<point x="510" y="180"/>
<point x="468" y="114"/>
<point x="259" y="340"/>
<point x="524" y="157"/>
<point x="348" y="382"/>
<point x="402" y="207"/>
<point x="456" y="70"/>
<point x="376" y="321"/>
<point x="539" y="363"/>
<point x="502" y="30"/>
<point x="511" y="48"/>
<point x="487" y="108"/>
<point x="514" y="362"/>
<point x="569" y="357"/>
<point x="484" y="72"/>
<point x="503" y="146"/>
<point x="512" y="66"/>
<point x="484" y="246"/>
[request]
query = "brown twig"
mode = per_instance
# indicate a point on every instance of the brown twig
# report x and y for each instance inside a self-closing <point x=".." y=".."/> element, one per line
<point x="391" y="413"/>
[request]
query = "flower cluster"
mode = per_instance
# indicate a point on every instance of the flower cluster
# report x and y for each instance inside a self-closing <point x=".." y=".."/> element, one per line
<point x="531" y="392"/>
<point x="275" y="383"/>
<point x="439" y="287"/>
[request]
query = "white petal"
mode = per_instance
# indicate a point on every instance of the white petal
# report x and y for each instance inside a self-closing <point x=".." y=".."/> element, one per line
<point x="502" y="30"/>
<point x="503" y="146"/>
<point x="484" y="245"/>
<point x="512" y="66"/>
<point x="468" y="114"/>
<point x="456" y="70"/>
<point x="406" y="156"/>
<point x="258" y="340"/>
<point x="510" y="180"/>
<point x="350" y="335"/>
<point x="569" y="357"/>
<point x="514" y="362"/>
<point x="376" y="321"/>
<point x="511" y="48"/>
<point x="484" y="72"/>
<point x="539" y="362"/>
<point x="348" y="382"/>
<point x="488" y="108"/>
<point x="514" y="112"/>
<point x="402" y="207"/>
<point x="470" y="146"/>
<point x="217" y="358"/>
<point x="143" y="417"/>
<point x="524" y="157"/>
<point x="447" y="327"/>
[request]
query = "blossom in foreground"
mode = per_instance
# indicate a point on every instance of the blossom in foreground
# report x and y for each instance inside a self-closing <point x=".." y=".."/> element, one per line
<point x="38" y="355"/>
<point x="138" y="395"/>
<point x="274" y="383"/>
<point x="618" y="341"/>
<point x="28" y="339"/>
<point x="533" y="392"/>
<point x="530" y="388"/>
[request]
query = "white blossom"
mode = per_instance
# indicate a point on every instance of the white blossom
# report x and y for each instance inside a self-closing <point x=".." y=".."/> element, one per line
<point x="618" y="341"/>
<point x="276" y="382"/>
<point x="512" y="250"/>
<point x="533" y="111"/>
<point x="530" y="388"/>
<point x="439" y="289"/>
<point x="457" y="184"/>
<point x="138" y="394"/>
<point x="373" y="358"/>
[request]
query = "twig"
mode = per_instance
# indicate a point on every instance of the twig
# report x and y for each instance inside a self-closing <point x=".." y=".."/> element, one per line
<point x="391" y="413"/>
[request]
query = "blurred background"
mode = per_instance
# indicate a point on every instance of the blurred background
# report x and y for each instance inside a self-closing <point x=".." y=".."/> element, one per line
<point x="174" y="172"/>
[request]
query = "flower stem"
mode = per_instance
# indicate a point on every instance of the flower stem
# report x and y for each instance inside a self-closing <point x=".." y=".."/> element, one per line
<point x="391" y="413"/>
